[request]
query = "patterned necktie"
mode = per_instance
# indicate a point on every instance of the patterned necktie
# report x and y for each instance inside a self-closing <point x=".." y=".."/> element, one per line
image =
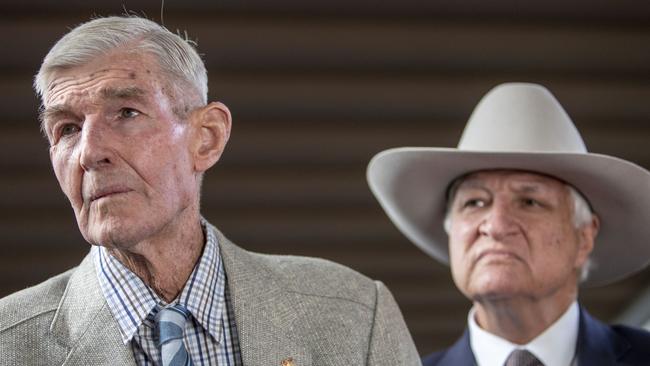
<point x="170" y="324"/>
<point x="521" y="357"/>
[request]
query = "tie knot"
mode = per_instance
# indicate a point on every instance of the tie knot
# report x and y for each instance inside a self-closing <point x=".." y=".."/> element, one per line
<point x="521" y="357"/>
<point x="170" y="322"/>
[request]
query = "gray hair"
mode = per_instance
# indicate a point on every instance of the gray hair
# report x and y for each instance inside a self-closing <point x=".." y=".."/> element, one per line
<point x="176" y="56"/>
<point x="582" y="215"/>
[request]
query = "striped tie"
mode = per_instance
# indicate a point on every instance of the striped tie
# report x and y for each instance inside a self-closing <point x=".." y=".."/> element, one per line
<point x="521" y="357"/>
<point x="170" y="322"/>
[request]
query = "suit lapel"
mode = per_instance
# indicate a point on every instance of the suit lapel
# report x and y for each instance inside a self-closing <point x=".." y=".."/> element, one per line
<point x="597" y="343"/>
<point x="460" y="354"/>
<point x="264" y="315"/>
<point x="84" y="324"/>
<point x="264" y="312"/>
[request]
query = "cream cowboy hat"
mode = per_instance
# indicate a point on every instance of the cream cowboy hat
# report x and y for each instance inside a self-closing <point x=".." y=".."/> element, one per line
<point x="519" y="126"/>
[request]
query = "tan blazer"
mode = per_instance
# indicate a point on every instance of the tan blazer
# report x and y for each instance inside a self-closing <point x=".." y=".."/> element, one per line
<point x="309" y="311"/>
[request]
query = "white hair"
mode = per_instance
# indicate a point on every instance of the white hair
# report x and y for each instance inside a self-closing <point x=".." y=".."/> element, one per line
<point x="582" y="215"/>
<point x="176" y="56"/>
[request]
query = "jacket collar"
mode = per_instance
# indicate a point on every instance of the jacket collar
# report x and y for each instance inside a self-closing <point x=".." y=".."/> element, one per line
<point x="460" y="354"/>
<point x="264" y="312"/>
<point x="598" y="344"/>
<point x="84" y="324"/>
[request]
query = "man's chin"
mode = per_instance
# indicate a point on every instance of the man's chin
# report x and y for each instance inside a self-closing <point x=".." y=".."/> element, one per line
<point x="498" y="287"/>
<point x="109" y="234"/>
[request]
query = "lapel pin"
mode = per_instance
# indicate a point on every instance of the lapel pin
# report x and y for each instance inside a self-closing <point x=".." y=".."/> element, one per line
<point x="288" y="362"/>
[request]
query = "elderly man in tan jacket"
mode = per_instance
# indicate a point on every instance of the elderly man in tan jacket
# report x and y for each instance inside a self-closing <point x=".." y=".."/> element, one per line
<point x="131" y="134"/>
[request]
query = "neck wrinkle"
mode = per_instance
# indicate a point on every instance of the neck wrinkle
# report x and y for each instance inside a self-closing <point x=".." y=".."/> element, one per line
<point x="520" y="320"/>
<point x="165" y="262"/>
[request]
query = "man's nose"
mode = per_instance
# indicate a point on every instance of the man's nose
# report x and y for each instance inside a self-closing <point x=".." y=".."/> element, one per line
<point x="499" y="222"/>
<point x="95" y="151"/>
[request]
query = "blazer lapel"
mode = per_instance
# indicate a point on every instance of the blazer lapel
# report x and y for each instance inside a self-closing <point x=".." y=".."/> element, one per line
<point x="597" y="343"/>
<point x="460" y="354"/>
<point x="84" y="324"/>
<point x="264" y="313"/>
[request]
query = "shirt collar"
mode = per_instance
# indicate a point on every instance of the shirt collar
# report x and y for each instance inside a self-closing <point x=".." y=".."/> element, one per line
<point x="130" y="300"/>
<point x="204" y="291"/>
<point x="555" y="346"/>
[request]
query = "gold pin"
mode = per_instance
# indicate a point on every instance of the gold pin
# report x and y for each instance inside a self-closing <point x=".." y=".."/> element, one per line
<point x="287" y="362"/>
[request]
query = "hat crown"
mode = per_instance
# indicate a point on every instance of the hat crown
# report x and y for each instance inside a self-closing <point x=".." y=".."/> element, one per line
<point x="521" y="117"/>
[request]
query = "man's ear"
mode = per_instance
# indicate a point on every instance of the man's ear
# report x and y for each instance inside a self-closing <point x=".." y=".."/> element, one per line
<point x="211" y="125"/>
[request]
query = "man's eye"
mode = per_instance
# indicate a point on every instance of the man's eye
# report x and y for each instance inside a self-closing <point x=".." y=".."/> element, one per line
<point x="69" y="129"/>
<point x="475" y="202"/>
<point x="530" y="202"/>
<point x="128" y="113"/>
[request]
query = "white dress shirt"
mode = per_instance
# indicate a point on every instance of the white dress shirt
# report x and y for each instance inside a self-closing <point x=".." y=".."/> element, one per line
<point x="556" y="346"/>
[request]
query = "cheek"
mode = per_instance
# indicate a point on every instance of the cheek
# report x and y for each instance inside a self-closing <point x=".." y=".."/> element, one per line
<point x="172" y="171"/>
<point x="459" y="242"/>
<point x="463" y="233"/>
<point x="556" y="250"/>
<point x="554" y="236"/>
<point x="66" y="173"/>
<point x="455" y="261"/>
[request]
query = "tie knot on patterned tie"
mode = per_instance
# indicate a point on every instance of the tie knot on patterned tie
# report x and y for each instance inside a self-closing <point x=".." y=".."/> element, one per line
<point x="521" y="357"/>
<point x="170" y="323"/>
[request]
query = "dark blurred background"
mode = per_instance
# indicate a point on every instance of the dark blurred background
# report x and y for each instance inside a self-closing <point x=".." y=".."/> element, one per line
<point x="316" y="89"/>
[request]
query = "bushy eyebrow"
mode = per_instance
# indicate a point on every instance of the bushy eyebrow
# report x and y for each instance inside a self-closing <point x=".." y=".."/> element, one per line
<point x="462" y="184"/>
<point x="528" y="188"/>
<point x="48" y="113"/>
<point x="133" y="93"/>
<point x="129" y="92"/>
<point x="45" y="113"/>
<point x="469" y="184"/>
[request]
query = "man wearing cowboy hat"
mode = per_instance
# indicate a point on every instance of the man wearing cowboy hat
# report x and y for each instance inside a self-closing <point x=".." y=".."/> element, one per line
<point x="524" y="214"/>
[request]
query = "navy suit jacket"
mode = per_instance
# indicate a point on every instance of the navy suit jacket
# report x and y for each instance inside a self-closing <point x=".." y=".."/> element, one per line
<point x="598" y="344"/>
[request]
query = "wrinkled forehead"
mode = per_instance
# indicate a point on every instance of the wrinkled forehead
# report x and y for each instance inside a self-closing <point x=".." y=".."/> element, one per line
<point x="103" y="84"/>
<point x="518" y="180"/>
<point x="116" y="70"/>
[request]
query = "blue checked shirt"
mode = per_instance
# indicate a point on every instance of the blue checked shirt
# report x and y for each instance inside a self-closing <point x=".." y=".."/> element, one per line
<point x="210" y="334"/>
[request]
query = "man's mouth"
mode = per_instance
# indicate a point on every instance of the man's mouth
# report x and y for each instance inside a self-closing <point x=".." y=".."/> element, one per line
<point x="497" y="254"/>
<point x="108" y="192"/>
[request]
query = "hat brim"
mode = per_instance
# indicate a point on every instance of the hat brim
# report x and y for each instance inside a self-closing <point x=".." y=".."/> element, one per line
<point x="410" y="184"/>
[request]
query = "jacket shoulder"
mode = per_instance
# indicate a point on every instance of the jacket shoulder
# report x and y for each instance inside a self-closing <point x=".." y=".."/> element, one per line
<point x="321" y="277"/>
<point x="306" y="276"/>
<point x="342" y="311"/>
<point x="32" y="302"/>
<point x="638" y="340"/>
